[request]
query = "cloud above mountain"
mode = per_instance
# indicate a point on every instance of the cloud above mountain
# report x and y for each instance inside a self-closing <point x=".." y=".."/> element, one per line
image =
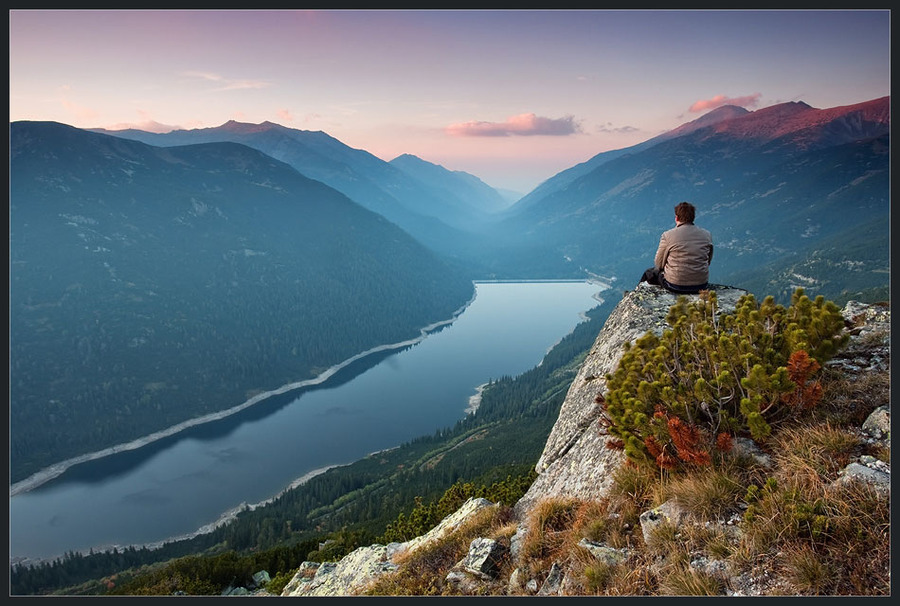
<point x="521" y="125"/>
<point x="227" y="83"/>
<point x="610" y="128"/>
<point x="746" y="101"/>
<point x="150" y="126"/>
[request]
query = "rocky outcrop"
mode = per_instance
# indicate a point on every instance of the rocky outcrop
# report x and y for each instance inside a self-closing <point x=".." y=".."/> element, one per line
<point x="358" y="569"/>
<point x="575" y="461"/>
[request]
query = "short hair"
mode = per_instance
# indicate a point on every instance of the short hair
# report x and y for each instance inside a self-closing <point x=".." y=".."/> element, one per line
<point x="685" y="211"/>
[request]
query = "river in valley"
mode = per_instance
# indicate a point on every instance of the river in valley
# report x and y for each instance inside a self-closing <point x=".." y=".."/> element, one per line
<point x="183" y="483"/>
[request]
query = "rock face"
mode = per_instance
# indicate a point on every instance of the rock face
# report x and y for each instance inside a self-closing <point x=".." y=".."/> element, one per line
<point x="575" y="461"/>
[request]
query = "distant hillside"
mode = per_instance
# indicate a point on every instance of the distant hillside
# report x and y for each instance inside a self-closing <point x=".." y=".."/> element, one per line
<point x="431" y="212"/>
<point x="561" y="180"/>
<point x="774" y="186"/>
<point x="464" y="189"/>
<point x="152" y="285"/>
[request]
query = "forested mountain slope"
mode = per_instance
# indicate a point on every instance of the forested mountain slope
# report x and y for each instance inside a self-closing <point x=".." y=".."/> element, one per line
<point x="153" y="285"/>
<point x="776" y="187"/>
<point x="438" y="218"/>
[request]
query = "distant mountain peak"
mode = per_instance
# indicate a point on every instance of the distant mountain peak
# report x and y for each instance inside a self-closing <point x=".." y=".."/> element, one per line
<point x="796" y="117"/>
<point x="720" y="114"/>
<point x="247" y="127"/>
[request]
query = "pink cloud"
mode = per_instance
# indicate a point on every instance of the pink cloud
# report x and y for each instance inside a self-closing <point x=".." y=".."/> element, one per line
<point x="226" y="83"/>
<point x="523" y="124"/>
<point x="746" y="101"/>
<point x="285" y="115"/>
<point x="80" y="111"/>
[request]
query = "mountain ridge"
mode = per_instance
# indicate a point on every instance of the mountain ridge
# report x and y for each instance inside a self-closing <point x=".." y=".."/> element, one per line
<point x="437" y="219"/>
<point x="809" y="170"/>
<point x="204" y="271"/>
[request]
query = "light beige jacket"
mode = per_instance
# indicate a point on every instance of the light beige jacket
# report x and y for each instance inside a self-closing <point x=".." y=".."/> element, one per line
<point x="684" y="255"/>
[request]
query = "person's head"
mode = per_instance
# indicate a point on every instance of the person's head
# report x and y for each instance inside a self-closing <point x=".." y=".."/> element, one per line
<point x="684" y="212"/>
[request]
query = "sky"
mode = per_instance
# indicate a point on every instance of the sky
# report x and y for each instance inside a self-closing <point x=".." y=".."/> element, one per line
<point x="510" y="96"/>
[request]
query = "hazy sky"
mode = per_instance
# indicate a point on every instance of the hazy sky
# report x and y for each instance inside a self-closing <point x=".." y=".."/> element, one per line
<point x="512" y="97"/>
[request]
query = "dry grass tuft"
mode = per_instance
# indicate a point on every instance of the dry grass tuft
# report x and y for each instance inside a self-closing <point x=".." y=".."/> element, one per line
<point x="548" y="529"/>
<point x="848" y="400"/>
<point x="639" y="485"/>
<point x="808" y="455"/>
<point x="709" y="493"/>
<point x="681" y="581"/>
<point x="805" y="570"/>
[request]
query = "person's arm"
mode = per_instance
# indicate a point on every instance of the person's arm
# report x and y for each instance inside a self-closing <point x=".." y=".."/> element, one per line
<point x="661" y="253"/>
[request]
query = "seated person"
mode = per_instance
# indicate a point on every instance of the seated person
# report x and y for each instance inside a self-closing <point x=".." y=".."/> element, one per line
<point x="682" y="260"/>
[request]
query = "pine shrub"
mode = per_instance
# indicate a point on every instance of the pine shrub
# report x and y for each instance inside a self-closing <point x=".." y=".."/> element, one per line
<point x="676" y="400"/>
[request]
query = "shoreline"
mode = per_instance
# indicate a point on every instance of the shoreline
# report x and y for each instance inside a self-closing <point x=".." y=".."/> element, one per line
<point x="57" y="469"/>
<point x="230" y="515"/>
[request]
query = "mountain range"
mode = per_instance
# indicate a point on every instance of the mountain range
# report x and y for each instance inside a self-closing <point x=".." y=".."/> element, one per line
<point x="437" y="206"/>
<point x="776" y="187"/>
<point x="152" y="285"/>
<point x="183" y="270"/>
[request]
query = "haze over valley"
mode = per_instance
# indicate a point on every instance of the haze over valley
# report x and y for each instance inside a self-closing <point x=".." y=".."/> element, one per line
<point x="185" y="278"/>
<point x="213" y="214"/>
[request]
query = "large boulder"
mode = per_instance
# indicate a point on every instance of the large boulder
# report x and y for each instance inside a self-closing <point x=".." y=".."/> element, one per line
<point x="575" y="461"/>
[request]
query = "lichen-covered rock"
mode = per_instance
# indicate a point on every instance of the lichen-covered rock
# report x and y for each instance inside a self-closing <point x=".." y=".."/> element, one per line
<point x="355" y="571"/>
<point x="347" y="577"/>
<point x="878" y="423"/>
<point x="304" y="575"/>
<point x="604" y="553"/>
<point x="554" y="580"/>
<point x="868" y="470"/>
<point x="484" y="558"/>
<point x="745" y="448"/>
<point x="449" y="524"/>
<point x="575" y="461"/>
<point x="669" y="513"/>
<point x="869" y="348"/>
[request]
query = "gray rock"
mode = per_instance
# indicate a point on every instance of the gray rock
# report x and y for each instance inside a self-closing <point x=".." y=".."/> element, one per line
<point x="516" y="584"/>
<point x="363" y="566"/>
<point x="484" y="558"/>
<point x="748" y="449"/>
<point x="878" y="424"/>
<point x="261" y="578"/>
<point x="462" y="583"/>
<point x="868" y="470"/>
<point x="669" y="513"/>
<point x="554" y="580"/>
<point x="305" y="573"/>
<point x="515" y="543"/>
<point x="603" y="553"/>
<point x="347" y="577"/>
<point x="449" y="524"/>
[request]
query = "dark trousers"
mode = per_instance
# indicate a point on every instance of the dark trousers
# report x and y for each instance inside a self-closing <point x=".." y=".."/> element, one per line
<point x="656" y="277"/>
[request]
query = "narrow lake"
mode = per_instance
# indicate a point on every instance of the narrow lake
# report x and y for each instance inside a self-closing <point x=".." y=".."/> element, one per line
<point x="178" y="485"/>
